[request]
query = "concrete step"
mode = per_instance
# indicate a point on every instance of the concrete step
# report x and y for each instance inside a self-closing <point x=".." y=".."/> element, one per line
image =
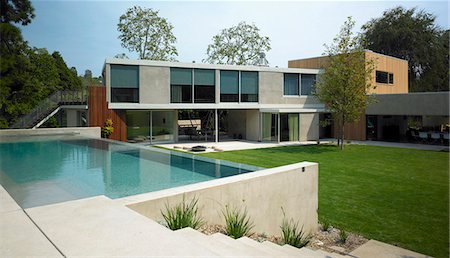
<point x="306" y="252"/>
<point x="274" y="249"/>
<point x="330" y="254"/>
<point x="286" y="251"/>
<point x="243" y="249"/>
<point x="198" y="238"/>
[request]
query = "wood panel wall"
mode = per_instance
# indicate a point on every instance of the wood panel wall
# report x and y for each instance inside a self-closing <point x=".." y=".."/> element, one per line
<point x="99" y="113"/>
<point x="393" y="65"/>
<point x="353" y="131"/>
<point x="383" y="63"/>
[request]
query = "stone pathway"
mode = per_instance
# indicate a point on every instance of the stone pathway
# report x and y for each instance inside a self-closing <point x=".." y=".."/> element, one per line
<point x="376" y="249"/>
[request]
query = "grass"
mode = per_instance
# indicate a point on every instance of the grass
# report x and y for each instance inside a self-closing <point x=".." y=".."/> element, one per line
<point x="394" y="195"/>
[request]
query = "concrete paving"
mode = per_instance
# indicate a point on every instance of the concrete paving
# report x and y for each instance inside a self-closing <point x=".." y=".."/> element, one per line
<point x="98" y="226"/>
<point x="376" y="249"/>
<point x="248" y="145"/>
<point x="19" y="237"/>
<point x="231" y="145"/>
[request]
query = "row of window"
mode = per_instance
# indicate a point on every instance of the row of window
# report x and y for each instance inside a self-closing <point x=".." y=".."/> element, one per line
<point x="299" y="84"/>
<point x="199" y="85"/>
<point x="185" y="82"/>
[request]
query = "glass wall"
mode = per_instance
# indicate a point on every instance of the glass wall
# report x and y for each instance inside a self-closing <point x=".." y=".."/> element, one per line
<point x="269" y="127"/>
<point x="142" y="124"/>
<point x="180" y="85"/>
<point x="229" y="86"/>
<point x="205" y="86"/>
<point x="138" y="125"/>
<point x="125" y="83"/>
<point x="289" y="127"/>
<point x="291" y="84"/>
<point x="162" y="126"/>
<point x="308" y="81"/>
<point x="249" y="86"/>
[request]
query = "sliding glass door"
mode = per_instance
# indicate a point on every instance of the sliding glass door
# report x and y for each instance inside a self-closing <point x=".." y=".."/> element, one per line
<point x="289" y="127"/>
<point x="269" y="127"/>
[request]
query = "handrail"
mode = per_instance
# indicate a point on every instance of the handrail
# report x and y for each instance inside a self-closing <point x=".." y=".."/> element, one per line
<point x="48" y="105"/>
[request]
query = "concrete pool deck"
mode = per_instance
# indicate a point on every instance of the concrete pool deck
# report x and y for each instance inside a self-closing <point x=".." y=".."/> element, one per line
<point x="249" y="145"/>
<point x="99" y="226"/>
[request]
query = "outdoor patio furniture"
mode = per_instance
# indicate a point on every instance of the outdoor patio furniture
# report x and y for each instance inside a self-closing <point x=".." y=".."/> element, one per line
<point x="423" y="136"/>
<point x="436" y="137"/>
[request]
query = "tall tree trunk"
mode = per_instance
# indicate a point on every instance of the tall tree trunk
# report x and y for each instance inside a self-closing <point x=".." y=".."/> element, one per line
<point x="342" y="132"/>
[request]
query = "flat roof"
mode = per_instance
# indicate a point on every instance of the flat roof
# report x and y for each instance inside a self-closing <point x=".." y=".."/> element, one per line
<point x="208" y="66"/>
<point x="366" y="50"/>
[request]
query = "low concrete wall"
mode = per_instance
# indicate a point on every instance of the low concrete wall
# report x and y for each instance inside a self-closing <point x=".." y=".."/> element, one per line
<point x="293" y="187"/>
<point x="92" y="132"/>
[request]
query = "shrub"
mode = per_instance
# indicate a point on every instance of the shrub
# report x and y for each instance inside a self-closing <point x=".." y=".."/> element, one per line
<point x="237" y="223"/>
<point x="343" y="235"/>
<point x="292" y="235"/>
<point x="107" y="129"/>
<point x="183" y="215"/>
<point x="325" y="224"/>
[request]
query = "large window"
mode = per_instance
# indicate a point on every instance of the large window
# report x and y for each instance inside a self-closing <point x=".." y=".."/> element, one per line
<point x="180" y="85"/>
<point x="384" y="77"/>
<point x="249" y="86"/>
<point x="291" y="84"/>
<point x="125" y="83"/>
<point x="229" y="86"/>
<point x="204" y="83"/>
<point x="307" y="83"/>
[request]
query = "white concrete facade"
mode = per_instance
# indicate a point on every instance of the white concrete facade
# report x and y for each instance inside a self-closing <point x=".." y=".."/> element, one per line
<point x="155" y="95"/>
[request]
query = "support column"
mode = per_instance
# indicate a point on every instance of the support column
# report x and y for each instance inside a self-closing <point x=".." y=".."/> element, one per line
<point x="216" y="125"/>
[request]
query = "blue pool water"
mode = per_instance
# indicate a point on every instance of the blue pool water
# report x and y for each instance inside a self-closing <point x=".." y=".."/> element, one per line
<point x="44" y="171"/>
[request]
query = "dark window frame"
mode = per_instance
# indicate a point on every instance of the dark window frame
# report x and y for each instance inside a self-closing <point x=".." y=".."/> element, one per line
<point x="124" y="93"/>
<point x="298" y="84"/>
<point x="383" y="77"/>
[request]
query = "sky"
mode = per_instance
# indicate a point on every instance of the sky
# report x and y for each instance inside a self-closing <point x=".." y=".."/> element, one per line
<point x="85" y="32"/>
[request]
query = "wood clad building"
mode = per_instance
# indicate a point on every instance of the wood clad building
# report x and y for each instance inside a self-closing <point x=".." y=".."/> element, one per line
<point x="390" y="77"/>
<point x="395" y="69"/>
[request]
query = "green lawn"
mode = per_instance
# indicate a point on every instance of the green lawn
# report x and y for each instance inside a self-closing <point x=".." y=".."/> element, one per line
<point x="398" y="196"/>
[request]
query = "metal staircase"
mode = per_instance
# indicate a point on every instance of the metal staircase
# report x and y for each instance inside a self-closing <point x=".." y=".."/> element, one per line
<point x="49" y="107"/>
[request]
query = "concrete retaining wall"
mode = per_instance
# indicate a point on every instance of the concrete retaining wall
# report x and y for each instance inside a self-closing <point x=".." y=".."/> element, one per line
<point x="92" y="132"/>
<point x="293" y="187"/>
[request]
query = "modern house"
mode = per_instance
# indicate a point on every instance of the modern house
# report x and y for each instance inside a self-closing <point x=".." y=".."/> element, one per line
<point x="396" y="110"/>
<point x="157" y="101"/>
<point x="171" y="101"/>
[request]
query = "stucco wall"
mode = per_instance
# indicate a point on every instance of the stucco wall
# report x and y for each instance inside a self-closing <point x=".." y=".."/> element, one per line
<point x="93" y="132"/>
<point x="271" y="86"/>
<point x="263" y="193"/>
<point x="154" y="85"/>
<point x="309" y="127"/>
<point x="237" y="123"/>
<point x="252" y="132"/>
<point x="431" y="104"/>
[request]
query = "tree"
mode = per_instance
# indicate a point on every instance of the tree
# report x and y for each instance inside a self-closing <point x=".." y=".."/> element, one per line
<point x="238" y="45"/>
<point x="16" y="11"/>
<point x="69" y="81"/>
<point x="121" y="56"/>
<point x="412" y="35"/>
<point x="88" y="74"/>
<point x="143" y="31"/>
<point x="344" y="84"/>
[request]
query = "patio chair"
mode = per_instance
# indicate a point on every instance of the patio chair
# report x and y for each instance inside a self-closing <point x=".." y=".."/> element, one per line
<point x="436" y="137"/>
<point x="445" y="136"/>
<point x="423" y="136"/>
<point x="415" y="136"/>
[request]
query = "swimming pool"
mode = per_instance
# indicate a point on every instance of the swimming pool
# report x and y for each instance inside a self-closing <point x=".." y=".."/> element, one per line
<point x="44" y="170"/>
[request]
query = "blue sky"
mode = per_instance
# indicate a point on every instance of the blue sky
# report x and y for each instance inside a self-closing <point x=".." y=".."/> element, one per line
<point x="85" y="32"/>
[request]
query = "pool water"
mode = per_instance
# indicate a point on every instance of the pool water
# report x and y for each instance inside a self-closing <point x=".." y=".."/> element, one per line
<point x="44" y="171"/>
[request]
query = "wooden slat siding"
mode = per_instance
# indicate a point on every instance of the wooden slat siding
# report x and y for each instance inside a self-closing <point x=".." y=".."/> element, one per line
<point x="99" y="112"/>
<point x="393" y="65"/>
<point x="383" y="63"/>
<point x="353" y="131"/>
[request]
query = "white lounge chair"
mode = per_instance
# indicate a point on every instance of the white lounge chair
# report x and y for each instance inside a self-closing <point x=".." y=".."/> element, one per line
<point x="436" y="137"/>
